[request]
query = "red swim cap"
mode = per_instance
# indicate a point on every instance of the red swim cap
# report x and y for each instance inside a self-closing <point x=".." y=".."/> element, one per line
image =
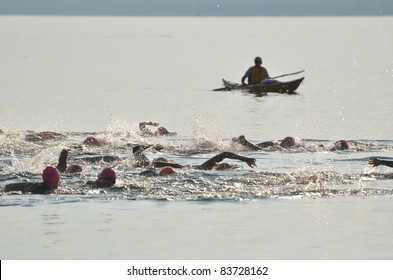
<point x="107" y="173"/>
<point x="160" y="159"/>
<point x="91" y="141"/>
<point x="74" y="168"/>
<point x="162" y="131"/>
<point x="167" y="171"/>
<point x="342" y="145"/>
<point x="223" y="166"/>
<point x="51" y="175"/>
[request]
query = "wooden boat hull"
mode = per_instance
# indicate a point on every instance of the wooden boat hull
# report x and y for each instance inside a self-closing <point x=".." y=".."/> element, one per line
<point x="279" y="87"/>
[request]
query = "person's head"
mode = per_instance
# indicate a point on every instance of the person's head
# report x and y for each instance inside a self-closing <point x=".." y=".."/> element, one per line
<point x="167" y="171"/>
<point x="160" y="159"/>
<point x="162" y="131"/>
<point x="223" y="166"/>
<point x="74" y="168"/>
<point x="91" y="141"/>
<point x="288" y="142"/>
<point x="51" y="176"/>
<point x="258" y="61"/>
<point x="341" y="145"/>
<point x="107" y="177"/>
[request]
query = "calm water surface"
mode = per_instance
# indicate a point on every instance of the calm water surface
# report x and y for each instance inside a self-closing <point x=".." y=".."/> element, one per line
<point x="102" y="75"/>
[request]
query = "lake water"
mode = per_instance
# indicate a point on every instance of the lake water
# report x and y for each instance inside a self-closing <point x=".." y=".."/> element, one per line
<point x="101" y="76"/>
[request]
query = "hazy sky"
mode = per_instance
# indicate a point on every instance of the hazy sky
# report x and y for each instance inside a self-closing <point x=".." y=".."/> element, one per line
<point x="197" y="7"/>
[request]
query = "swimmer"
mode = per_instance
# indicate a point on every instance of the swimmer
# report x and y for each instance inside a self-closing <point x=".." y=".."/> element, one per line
<point x="50" y="177"/>
<point x="287" y="142"/>
<point x="106" y="179"/>
<point x="43" y="136"/>
<point x="212" y="163"/>
<point x="62" y="164"/>
<point x="91" y="141"/>
<point x="377" y="161"/>
<point x="161" y="131"/>
<point x="140" y="160"/>
<point x="340" y="145"/>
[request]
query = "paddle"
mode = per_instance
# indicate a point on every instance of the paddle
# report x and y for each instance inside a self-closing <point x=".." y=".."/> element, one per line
<point x="287" y="74"/>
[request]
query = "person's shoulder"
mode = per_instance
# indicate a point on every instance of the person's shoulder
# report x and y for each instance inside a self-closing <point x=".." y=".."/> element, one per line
<point x="37" y="188"/>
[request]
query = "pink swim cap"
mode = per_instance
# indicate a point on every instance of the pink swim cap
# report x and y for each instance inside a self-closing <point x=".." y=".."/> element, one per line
<point x="91" y="141"/>
<point x="74" y="168"/>
<point x="342" y="145"/>
<point x="223" y="166"/>
<point x="288" y="142"/>
<point x="162" y="131"/>
<point x="51" y="175"/>
<point x="160" y="159"/>
<point x="107" y="173"/>
<point x="167" y="171"/>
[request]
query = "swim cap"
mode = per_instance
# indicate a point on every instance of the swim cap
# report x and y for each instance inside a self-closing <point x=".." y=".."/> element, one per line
<point x="342" y="145"/>
<point x="51" y="175"/>
<point x="107" y="173"/>
<point x="162" y="131"/>
<point x="167" y="171"/>
<point x="223" y="166"/>
<point x="91" y="141"/>
<point x="288" y="142"/>
<point x="160" y="159"/>
<point x="74" y="168"/>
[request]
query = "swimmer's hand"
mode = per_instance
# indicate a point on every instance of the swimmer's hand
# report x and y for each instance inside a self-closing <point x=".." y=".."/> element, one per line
<point x="251" y="162"/>
<point x="374" y="161"/>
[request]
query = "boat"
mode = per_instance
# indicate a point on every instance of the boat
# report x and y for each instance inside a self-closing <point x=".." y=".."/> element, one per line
<point x="279" y="87"/>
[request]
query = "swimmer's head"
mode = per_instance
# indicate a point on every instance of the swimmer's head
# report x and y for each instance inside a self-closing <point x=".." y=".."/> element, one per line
<point x="167" y="171"/>
<point x="223" y="166"/>
<point x="341" y="145"/>
<point x="162" y="131"/>
<point x="107" y="177"/>
<point x="91" y="141"/>
<point x="288" y="142"/>
<point x="160" y="159"/>
<point x="74" y="168"/>
<point x="51" y="175"/>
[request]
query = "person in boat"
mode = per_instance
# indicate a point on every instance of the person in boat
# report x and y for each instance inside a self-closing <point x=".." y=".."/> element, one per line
<point x="161" y="131"/>
<point x="50" y="177"/>
<point x="106" y="179"/>
<point x="256" y="74"/>
<point x="212" y="163"/>
<point x="377" y="161"/>
<point x="287" y="142"/>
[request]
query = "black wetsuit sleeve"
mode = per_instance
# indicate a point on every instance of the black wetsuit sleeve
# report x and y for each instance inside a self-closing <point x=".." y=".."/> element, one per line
<point x="386" y="163"/>
<point x="36" y="188"/>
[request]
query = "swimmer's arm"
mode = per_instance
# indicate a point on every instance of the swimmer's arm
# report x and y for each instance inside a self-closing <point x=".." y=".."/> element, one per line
<point x="244" y="142"/>
<point x="15" y="187"/>
<point x="377" y="161"/>
<point x="163" y="164"/>
<point x="142" y="125"/>
<point x="209" y="164"/>
<point x="62" y="164"/>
